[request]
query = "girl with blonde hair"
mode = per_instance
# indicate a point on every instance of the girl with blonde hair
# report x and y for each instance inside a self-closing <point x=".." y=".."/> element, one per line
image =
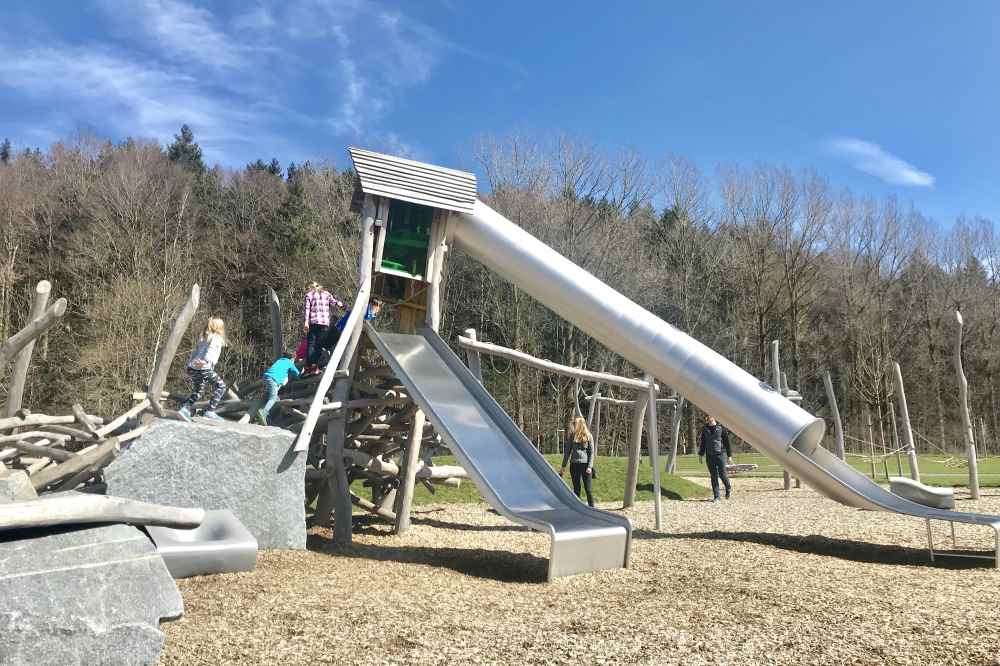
<point x="579" y="453"/>
<point x="201" y="369"/>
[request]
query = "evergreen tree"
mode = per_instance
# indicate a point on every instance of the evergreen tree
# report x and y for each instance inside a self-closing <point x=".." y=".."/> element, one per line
<point x="185" y="151"/>
<point x="5" y="151"/>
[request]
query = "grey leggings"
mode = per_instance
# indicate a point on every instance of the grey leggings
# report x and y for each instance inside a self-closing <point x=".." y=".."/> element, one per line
<point x="198" y="380"/>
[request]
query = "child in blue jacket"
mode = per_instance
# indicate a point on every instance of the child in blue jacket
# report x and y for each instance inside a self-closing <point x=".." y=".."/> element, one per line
<point x="274" y="378"/>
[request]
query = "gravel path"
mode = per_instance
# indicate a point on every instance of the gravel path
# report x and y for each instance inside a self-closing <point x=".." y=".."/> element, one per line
<point x="769" y="577"/>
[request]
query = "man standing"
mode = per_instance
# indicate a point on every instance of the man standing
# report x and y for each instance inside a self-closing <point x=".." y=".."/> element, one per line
<point x="714" y="445"/>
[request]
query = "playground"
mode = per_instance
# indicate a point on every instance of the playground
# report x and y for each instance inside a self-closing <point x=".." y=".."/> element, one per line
<point x="796" y="577"/>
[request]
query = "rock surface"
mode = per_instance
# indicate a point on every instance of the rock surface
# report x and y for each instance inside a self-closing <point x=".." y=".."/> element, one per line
<point x="251" y="470"/>
<point x="83" y="596"/>
<point x="15" y="487"/>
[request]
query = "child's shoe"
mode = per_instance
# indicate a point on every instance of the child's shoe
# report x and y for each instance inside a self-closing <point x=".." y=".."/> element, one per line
<point x="210" y="414"/>
<point x="185" y="413"/>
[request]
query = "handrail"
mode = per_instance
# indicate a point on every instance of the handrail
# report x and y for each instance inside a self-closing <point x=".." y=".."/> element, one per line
<point x="358" y="312"/>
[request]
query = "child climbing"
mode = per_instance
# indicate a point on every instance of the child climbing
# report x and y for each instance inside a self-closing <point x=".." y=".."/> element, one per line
<point x="334" y="334"/>
<point x="201" y="369"/>
<point x="274" y="378"/>
<point x="316" y="319"/>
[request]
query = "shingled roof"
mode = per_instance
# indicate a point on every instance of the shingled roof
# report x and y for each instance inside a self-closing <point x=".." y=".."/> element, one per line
<point x="384" y="175"/>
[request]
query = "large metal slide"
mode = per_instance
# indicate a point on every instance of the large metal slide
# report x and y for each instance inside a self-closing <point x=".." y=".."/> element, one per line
<point x="749" y="407"/>
<point x="510" y="473"/>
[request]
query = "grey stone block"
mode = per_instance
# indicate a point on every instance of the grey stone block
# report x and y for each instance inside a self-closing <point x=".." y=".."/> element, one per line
<point x="83" y="596"/>
<point x="251" y="470"/>
<point x="15" y="487"/>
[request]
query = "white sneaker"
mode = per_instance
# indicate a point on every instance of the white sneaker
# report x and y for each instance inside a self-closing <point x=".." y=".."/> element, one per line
<point x="212" y="415"/>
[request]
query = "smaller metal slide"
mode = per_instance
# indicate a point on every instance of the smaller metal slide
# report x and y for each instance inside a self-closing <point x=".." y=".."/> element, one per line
<point x="510" y="473"/>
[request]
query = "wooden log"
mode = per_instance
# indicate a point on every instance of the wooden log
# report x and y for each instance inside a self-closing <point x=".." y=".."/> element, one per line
<point x="34" y="420"/>
<point x="34" y="434"/>
<point x="963" y="403"/>
<point x="100" y="455"/>
<point x="44" y="451"/>
<point x="166" y="356"/>
<point x="73" y="508"/>
<point x="632" y="475"/>
<point x="37" y="465"/>
<point x="904" y="421"/>
<point x="436" y="255"/>
<point x="472" y="357"/>
<point x="549" y="366"/>
<point x="118" y="422"/>
<point x="84" y="419"/>
<point x="74" y="433"/>
<point x="32" y="331"/>
<point x="277" y="333"/>
<point x="838" y="426"/>
<point x="408" y="475"/>
<point x="675" y="434"/>
<point x="372" y="508"/>
<point x="652" y="428"/>
<point x="776" y="384"/>
<point x="19" y="377"/>
<point x="593" y="410"/>
<point x="441" y="472"/>
<point x="617" y="401"/>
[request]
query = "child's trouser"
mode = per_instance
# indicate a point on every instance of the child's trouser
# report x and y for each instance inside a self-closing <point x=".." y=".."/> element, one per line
<point x="272" y="395"/>
<point x="199" y="378"/>
<point x="578" y="472"/>
<point x="315" y="336"/>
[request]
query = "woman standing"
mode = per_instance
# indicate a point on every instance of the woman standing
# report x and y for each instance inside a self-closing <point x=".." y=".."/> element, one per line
<point x="579" y="453"/>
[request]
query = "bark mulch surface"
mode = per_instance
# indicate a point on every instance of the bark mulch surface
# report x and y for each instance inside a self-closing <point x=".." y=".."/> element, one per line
<point x="769" y="577"/>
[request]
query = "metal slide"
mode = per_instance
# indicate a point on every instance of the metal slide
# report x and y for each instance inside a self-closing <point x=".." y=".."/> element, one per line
<point x="510" y="473"/>
<point x="749" y="407"/>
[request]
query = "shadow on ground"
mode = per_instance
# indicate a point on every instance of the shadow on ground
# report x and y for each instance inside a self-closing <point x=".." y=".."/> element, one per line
<point x="494" y="565"/>
<point x="814" y="544"/>
<point x="668" y="494"/>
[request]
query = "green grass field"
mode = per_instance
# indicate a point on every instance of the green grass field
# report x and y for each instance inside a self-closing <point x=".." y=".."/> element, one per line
<point x="932" y="470"/>
<point x="609" y="486"/>
<point x="610" y="482"/>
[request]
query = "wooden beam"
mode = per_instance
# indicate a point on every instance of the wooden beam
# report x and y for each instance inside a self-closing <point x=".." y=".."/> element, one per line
<point x="166" y="356"/>
<point x="549" y="366"/>
<point x="73" y="508"/>
<point x="408" y="474"/>
<point x="277" y="333"/>
<point x="118" y="422"/>
<point x="19" y="378"/>
<point x="100" y="455"/>
<point x="963" y="404"/>
<point x="838" y="426"/>
<point x="34" y="329"/>
<point x="652" y="428"/>
<point x="632" y="475"/>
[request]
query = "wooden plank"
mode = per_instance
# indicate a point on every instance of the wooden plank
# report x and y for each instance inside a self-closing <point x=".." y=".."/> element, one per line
<point x="166" y="356"/>
<point x="549" y="366"/>
<point x="19" y="376"/>
<point x="32" y="331"/>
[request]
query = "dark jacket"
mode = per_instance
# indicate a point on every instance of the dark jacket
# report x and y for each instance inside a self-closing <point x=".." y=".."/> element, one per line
<point x="714" y="439"/>
<point x="581" y="452"/>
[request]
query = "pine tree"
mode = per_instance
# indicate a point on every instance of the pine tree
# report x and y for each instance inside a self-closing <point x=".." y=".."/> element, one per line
<point x="5" y="151"/>
<point x="185" y="151"/>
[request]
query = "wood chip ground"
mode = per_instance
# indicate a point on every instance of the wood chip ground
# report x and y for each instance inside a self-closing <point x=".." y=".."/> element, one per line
<point x="769" y="577"/>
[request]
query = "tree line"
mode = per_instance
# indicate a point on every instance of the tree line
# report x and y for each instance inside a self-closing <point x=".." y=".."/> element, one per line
<point x="848" y="284"/>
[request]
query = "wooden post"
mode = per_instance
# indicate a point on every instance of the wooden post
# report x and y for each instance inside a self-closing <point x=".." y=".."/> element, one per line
<point x="838" y="427"/>
<point x="675" y="434"/>
<point x="277" y="331"/>
<point x="592" y="409"/>
<point x="15" y="343"/>
<point x="632" y="476"/>
<point x="472" y="357"/>
<point x="895" y="440"/>
<point x="963" y="403"/>
<point x="15" y="393"/>
<point x="776" y="383"/>
<point x="407" y="473"/>
<point x="871" y="437"/>
<point x="166" y="356"/>
<point x="652" y="428"/>
<point x="904" y="415"/>
<point x="435" y="265"/>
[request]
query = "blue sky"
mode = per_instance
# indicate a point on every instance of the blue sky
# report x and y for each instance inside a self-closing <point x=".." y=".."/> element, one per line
<point x="881" y="97"/>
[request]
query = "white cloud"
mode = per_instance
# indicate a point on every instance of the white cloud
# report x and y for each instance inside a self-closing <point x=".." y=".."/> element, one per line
<point x="180" y="29"/>
<point x="874" y="160"/>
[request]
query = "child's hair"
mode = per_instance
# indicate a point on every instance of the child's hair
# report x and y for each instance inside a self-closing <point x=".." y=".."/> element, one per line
<point x="215" y="326"/>
<point x="313" y="285"/>
<point x="580" y="432"/>
<point x="289" y="353"/>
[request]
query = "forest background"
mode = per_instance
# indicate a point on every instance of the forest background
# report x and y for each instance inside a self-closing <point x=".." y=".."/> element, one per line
<point x="745" y="256"/>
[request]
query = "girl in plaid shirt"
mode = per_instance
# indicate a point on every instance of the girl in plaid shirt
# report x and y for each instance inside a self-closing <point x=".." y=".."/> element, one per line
<point x="316" y="316"/>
